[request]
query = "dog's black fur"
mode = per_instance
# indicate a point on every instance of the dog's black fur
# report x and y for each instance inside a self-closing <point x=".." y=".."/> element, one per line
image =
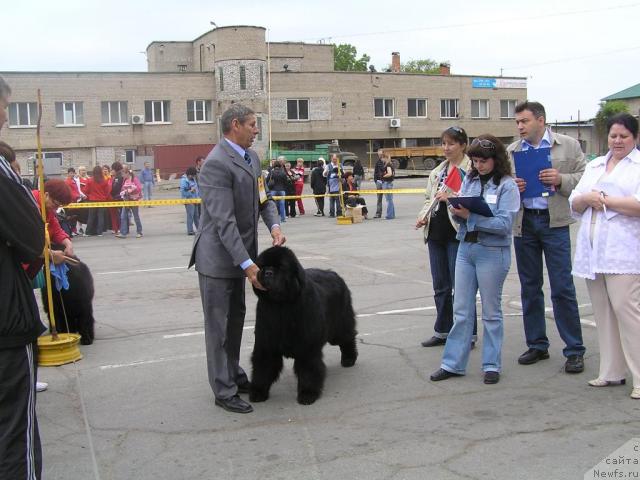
<point x="301" y="310"/>
<point x="78" y="303"/>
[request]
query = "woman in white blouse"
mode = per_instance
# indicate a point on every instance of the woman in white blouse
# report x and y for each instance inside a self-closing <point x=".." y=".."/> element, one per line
<point x="607" y="201"/>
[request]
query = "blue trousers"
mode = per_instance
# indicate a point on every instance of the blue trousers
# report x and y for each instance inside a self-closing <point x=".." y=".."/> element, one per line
<point x="538" y="239"/>
<point x="192" y="216"/>
<point x="484" y="268"/>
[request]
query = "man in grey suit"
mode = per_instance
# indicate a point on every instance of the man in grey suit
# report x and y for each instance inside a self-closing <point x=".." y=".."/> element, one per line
<point x="233" y="198"/>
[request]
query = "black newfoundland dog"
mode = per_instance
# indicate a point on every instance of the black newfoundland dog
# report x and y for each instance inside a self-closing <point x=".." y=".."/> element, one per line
<point x="76" y="304"/>
<point x="301" y="310"/>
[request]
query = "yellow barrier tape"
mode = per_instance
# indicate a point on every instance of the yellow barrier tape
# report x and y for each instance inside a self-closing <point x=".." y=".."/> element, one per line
<point x="185" y="201"/>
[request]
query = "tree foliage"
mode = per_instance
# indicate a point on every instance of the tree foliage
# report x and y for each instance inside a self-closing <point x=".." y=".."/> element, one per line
<point x="608" y="110"/>
<point x="426" y="65"/>
<point x="345" y="59"/>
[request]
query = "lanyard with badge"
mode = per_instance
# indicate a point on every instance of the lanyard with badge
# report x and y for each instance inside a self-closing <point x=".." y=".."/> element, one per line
<point x="261" y="190"/>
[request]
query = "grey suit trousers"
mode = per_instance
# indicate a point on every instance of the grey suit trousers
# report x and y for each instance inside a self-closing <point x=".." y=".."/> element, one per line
<point x="223" y="304"/>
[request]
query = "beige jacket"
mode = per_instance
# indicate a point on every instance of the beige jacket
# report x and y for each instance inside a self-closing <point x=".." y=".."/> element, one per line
<point x="568" y="159"/>
<point x="432" y="189"/>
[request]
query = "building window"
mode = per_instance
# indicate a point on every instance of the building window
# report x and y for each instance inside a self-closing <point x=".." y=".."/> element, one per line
<point x="449" y="108"/>
<point x="69" y="113"/>
<point x="508" y="108"/>
<point x="243" y="77"/>
<point x="23" y="114"/>
<point x="259" y="125"/>
<point x="157" y="111"/>
<point x="479" y="108"/>
<point x="221" y="75"/>
<point x="298" y="109"/>
<point x="261" y="77"/>
<point x="182" y="68"/>
<point x="199" y="111"/>
<point x="114" y="113"/>
<point x="130" y="156"/>
<point x="383" y="107"/>
<point x="417" y="107"/>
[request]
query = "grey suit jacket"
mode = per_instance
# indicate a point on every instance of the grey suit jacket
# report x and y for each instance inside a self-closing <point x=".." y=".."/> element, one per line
<point x="228" y="232"/>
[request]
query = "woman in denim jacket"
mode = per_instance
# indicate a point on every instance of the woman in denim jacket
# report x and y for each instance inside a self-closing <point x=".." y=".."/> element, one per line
<point x="483" y="261"/>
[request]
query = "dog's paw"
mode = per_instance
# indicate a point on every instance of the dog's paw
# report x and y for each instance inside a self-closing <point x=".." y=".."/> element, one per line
<point x="258" y="396"/>
<point x="307" y="398"/>
<point x="348" y="361"/>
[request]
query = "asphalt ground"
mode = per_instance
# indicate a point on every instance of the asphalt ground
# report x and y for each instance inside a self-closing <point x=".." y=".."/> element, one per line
<point x="139" y="406"/>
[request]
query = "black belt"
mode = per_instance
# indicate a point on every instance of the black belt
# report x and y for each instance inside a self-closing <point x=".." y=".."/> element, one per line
<point x="537" y="211"/>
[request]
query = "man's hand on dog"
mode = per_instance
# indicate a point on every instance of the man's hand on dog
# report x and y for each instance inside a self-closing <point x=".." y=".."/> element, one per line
<point x="252" y="274"/>
<point x="278" y="237"/>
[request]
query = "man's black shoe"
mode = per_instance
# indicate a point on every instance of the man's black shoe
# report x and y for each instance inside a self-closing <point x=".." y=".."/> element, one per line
<point x="491" y="377"/>
<point x="574" y="364"/>
<point x="442" y="374"/>
<point x="532" y="355"/>
<point x="244" y="387"/>
<point x="434" y="342"/>
<point x="234" y="404"/>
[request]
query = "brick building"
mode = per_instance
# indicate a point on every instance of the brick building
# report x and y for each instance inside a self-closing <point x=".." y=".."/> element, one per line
<point x="100" y="117"/>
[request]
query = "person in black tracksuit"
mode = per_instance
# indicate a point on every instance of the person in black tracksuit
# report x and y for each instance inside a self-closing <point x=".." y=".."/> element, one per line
<point x="319" y="186"/>
<point x="21" y="242"/>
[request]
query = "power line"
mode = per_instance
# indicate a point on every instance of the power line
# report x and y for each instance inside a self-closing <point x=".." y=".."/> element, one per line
<point x="484" y="22"/>
<point x="571" y="59"/>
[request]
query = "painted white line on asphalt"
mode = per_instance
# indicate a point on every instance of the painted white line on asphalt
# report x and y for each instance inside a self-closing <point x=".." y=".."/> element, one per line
<point x="404" y="310"/>
<point x="316" y="257"/>
<point x="143" y="270"/>
<point x="193" y="334"/>
<point x="157" y="360"/>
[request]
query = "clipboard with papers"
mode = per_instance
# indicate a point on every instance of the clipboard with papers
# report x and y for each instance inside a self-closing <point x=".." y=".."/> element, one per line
<point x="473" y="204"/>
<point x="529" y="164"/>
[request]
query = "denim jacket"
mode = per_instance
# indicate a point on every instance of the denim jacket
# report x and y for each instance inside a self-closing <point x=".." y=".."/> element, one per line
<point x="504" y="201"/>
<point x="188" y="188"/>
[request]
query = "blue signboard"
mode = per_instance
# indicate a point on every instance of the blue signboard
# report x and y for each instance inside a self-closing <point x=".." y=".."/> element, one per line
<point x="483" y="83"/>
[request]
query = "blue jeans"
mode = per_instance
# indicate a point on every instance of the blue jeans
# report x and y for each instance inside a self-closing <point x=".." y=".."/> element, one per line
<point x="538" y="238"/>
<point x="192" y="216"/>
<point x="442" y="259"/>
<point x="391" y="211"/>
<point x="486" y="268"/>
<point x="280" y="204"/>
<point x="334" y="205"/>
<point x="124" y="220"/>
<point x="146" y="190"/>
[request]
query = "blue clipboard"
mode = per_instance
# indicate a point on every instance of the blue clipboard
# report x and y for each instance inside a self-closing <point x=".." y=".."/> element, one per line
<point x="528" y="164"/>
<point x="473" y="204"/>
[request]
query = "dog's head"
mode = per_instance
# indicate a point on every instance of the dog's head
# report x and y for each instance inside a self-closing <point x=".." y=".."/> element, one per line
<point x="280" y="273"/>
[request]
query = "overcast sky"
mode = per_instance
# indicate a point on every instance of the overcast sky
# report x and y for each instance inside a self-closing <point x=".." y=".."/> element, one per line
<point x="573" y="53"/>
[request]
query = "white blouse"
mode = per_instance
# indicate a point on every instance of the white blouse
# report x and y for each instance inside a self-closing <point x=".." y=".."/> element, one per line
<point x="616" y="240"/>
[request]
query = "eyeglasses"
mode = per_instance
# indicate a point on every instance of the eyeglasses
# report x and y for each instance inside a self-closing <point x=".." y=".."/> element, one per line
<point x="456" y="129"/>
<point x="483" y="143"/>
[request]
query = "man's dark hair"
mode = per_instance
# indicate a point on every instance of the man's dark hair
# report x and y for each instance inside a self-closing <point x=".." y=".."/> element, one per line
<point x="534" y="107"/>
<point x="7" y="152"/>
<point x="627" y="121"/>
<point x="5" y="89"/>
<point x="235" y="111"/>
<point x="199" y="158"/>
<point x="488" y="146"/>
<point x="116" y="166"/>
<point x="191" y="171"/>
<point x="71" y="170"/>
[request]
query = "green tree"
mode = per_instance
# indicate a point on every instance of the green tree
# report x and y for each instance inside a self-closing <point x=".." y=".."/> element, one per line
<point x="427" y="65"/>
<point x="345" y="59"/>
<point x="607" y="110"/>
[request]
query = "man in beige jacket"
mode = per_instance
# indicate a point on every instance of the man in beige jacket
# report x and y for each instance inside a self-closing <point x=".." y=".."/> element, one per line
<point x="542" y="228"/>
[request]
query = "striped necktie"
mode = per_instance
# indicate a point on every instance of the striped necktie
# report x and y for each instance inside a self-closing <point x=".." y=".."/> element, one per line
<point x="247" y="158"/>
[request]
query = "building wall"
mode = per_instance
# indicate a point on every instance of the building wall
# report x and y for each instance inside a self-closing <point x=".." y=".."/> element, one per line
<point x="301" y="57"/>
<point x="167" y="56"/>
<point x="345" y="105"/>
<point x="77" y="142"/>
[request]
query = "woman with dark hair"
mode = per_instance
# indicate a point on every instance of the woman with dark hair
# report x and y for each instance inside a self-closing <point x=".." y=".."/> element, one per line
<point x="277" y="184"/>
<point x="290" y="190"/>
<point x="483" y="261"/>
<point x="440" y="229"/>
<point x="319" y="186"/>
<point x="116" y="185"/>
<point x="352" y="199"/>
<point x="607" y="202"/>
<point x="56" y="194"/>
<point x="97" y="190"/>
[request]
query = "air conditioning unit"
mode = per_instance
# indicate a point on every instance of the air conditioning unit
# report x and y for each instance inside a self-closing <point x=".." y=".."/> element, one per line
<point x="394" y="123"/>
<point x="137" y="119"/>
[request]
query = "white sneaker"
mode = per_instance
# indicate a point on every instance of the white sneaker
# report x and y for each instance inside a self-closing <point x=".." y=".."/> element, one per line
<point x="41" y="386"/>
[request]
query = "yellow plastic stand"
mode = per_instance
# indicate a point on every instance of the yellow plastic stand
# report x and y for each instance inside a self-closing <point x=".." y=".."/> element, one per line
<point x="64" y="349"/>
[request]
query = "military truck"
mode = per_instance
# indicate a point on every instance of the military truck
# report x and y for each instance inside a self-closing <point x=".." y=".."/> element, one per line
<point x="415" y="158"/>
<point x="310" y="157"/>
